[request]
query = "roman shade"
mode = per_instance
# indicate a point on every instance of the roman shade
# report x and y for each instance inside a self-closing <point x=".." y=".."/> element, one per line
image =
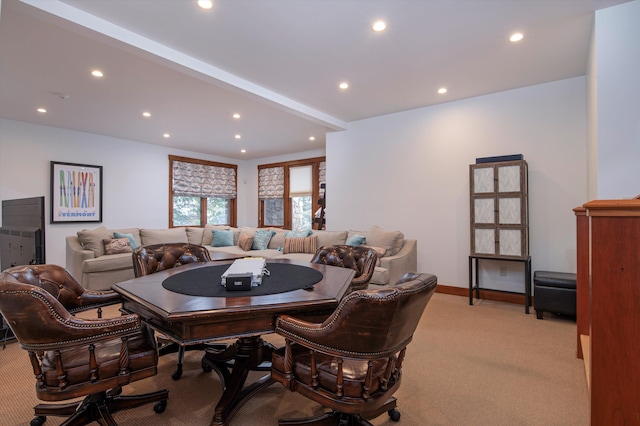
<point x="271" y="183"/>
<point x="202" y="180"/>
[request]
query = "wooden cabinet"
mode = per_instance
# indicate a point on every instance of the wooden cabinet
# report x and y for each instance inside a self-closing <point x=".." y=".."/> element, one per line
<point x="612" y="348"/>
<point x="499" y="209"/>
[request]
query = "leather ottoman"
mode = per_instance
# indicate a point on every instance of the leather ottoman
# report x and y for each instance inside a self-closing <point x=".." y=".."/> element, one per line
<point x="554" y="292"/>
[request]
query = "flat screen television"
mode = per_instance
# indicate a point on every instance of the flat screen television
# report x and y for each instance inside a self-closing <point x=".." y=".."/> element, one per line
<point x="22" y="233"/>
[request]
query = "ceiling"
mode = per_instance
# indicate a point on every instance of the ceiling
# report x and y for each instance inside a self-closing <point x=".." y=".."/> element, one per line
<point x="275" y="62"/>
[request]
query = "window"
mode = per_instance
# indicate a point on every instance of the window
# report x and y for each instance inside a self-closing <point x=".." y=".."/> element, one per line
<point x="201" y="192"/>
<point x="301" y="193"/>
<point x="288" y="193"/>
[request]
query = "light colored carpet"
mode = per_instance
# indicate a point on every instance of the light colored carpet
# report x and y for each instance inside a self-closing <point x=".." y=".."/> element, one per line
<point x="487" y="364"/>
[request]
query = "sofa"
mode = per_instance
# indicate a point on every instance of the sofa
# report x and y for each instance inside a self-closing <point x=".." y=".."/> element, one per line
<point x="101" y="257"/>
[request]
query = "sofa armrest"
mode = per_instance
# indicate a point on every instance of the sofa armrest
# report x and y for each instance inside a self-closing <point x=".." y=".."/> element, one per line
<point x="406" y="260"/>
<point x="75" y="256"/>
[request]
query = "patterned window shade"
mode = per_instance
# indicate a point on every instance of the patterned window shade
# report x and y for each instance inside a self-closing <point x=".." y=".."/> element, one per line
<point x="271" y="183"/>
<point x="201" y="180"/>
<point x="322" y="175"/>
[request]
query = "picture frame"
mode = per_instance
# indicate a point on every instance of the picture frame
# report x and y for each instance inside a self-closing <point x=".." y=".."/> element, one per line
<point x="76" y="193"/>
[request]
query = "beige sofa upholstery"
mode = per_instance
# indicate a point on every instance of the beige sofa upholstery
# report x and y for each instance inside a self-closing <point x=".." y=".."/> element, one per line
<point x="88" y="262"/>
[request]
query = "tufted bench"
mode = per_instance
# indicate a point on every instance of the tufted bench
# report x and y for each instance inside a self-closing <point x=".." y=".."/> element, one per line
<point x="554" y="292"/>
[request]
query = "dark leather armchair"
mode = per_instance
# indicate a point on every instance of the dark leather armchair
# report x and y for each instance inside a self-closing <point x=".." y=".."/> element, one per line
<point x="154" y="258"/>
<point x="352" y="362"/>
<point x="361" y="259"/>
<point x="62" y="286"/>
<point x="73" y="357"/>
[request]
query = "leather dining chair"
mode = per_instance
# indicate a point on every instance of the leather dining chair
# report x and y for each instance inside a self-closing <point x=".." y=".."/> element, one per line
<point x="154" y="258"/>
<point x="61" y="285"/>
<point x="351" y="363"/>
<point x="73" y="357"/>
<point x="361" y="259"/>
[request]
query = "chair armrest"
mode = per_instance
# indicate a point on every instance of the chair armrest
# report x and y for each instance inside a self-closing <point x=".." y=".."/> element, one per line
<point x="70" y="331"/>
<point x="336" y="335"/>
<point x="406" y="260"/>
<point x="304" y="333"/>
<point x="75" y="256"/>
<point x="94" y="299"/>
<point x="368" y="270"/>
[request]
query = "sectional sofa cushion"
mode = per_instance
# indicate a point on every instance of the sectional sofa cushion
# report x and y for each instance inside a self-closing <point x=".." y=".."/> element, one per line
<point x="330" y="238"/>
<point x="91" y="239"/>
<point x="161" y="236"/>
<point x="391" y="241"/>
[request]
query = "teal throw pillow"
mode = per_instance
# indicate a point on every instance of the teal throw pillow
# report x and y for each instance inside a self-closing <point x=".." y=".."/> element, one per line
<point x="261" y="239"/>
<point x="222" y="238"/>
<point x="356" y="240"/>
<point x="298" y="234"/>
<point x="132" y="239"/>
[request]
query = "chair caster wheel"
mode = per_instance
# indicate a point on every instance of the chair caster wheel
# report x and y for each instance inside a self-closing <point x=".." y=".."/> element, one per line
<point x="160" y="406"/>
<point x="177" y="374"/>
<point x="394" y="414"/>
<point x="206" y="367"/>
<point x="38" y="421"/>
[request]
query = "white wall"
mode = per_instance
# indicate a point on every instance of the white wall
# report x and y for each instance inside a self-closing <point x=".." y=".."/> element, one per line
<point x="617" y="39"/>
<point x="410" y="171"/>
<point x="592" y="120"/>
<point x="135" y="177"/>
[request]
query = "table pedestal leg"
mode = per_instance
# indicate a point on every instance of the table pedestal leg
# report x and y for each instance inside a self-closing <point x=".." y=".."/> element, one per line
<point x="247" y="354"/>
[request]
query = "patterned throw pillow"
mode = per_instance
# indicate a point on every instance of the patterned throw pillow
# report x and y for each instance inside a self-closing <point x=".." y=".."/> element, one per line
<point x="132" y="239"/>
<point x="222" y="238"/>
<point x="301" y="245"/>
<point x="245" y="242"/>
<point x="261" y="239"/>
<point x="117" y="245"/>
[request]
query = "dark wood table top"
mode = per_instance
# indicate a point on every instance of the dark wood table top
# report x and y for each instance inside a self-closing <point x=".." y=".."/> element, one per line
<point x="193" y="319"/>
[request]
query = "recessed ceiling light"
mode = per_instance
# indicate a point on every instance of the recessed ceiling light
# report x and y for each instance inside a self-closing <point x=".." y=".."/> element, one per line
<point x="379" y="26"/>
<point x="41" y="110"/>
<point x="238" y="136"/>
<point x="243" y="150"/>
<point x="515" y="37"/>
<point x="97" y="73"/>
<point x="312" y="138"/>
<point x="442" y="90"/>
<point x="146" y="114"/>
<point x="344" y="85"/>
<point x="236" y="116"/>
<point x="205" y="4"/>
<point x="166" y="135"/>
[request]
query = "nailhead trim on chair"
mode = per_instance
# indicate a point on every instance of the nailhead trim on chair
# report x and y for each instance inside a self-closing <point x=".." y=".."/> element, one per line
<point x="135" y="326"/>
<point x="393" y="294"/>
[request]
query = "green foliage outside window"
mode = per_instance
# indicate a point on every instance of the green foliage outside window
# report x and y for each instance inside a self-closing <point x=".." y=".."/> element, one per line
<point x="186" y="211"/>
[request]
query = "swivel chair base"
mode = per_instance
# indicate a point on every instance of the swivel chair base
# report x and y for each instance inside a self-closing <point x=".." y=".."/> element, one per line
<point x="98" y="407"/>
